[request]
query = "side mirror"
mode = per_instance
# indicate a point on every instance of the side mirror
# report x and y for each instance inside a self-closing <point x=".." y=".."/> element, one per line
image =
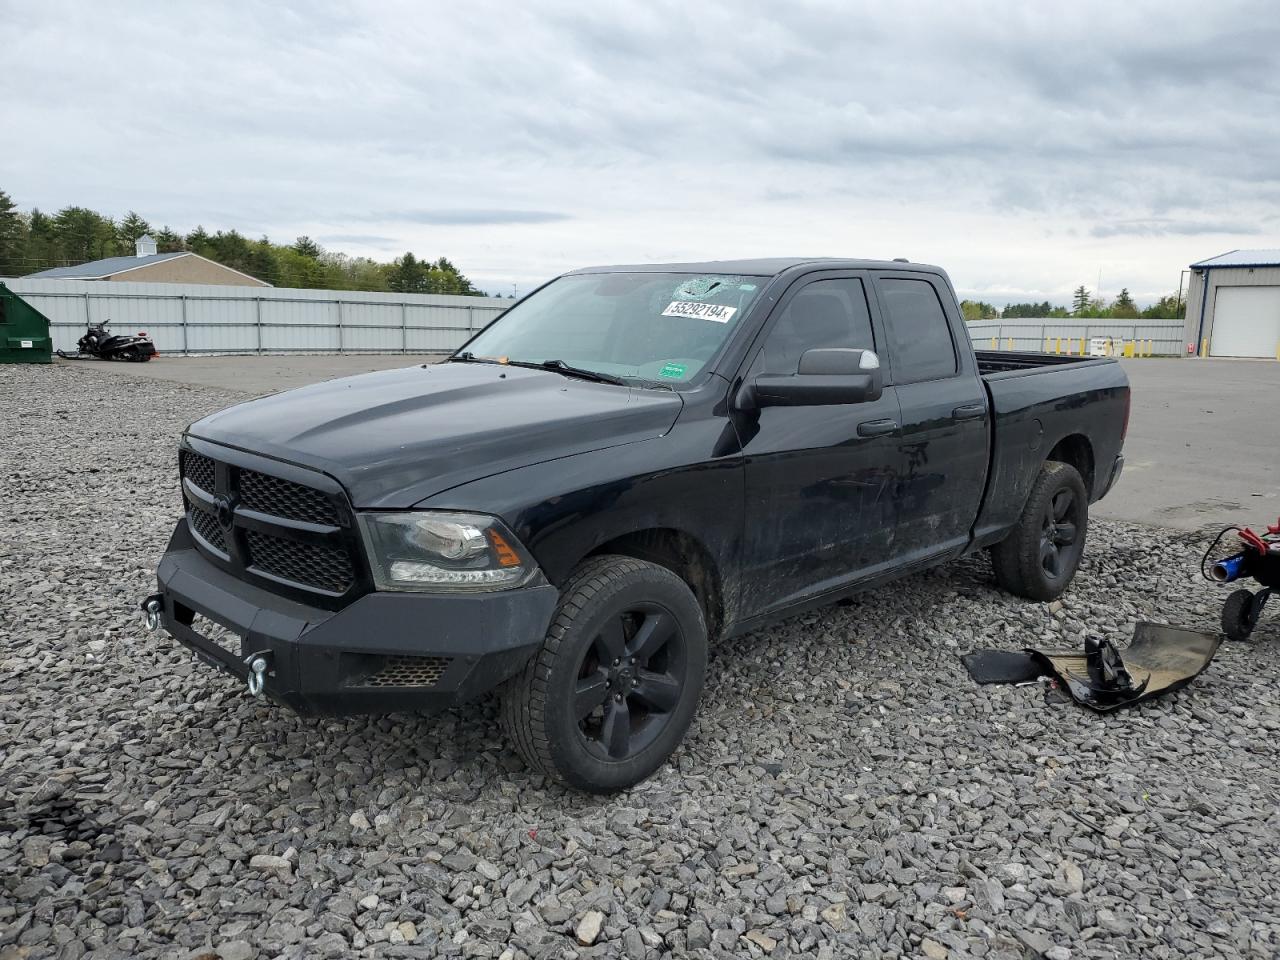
<point x="825" y="377"/>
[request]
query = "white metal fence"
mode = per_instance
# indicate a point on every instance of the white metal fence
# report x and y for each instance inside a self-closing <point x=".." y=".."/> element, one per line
<point x="201" y="318"/>
<point x="1052" y="334"/>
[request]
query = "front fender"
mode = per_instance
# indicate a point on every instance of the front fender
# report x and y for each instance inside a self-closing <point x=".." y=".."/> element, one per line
<point x="564" y="509"/>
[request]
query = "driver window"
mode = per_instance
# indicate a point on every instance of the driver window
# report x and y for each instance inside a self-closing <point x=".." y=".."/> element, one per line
<point x="825" y="313"/>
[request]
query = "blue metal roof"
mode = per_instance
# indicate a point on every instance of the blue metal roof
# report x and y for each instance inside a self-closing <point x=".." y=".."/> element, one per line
<point x="97" y="269"/>
<point x="1243" y="258"/>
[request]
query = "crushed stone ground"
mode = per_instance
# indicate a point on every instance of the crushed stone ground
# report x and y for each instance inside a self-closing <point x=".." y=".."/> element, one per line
<point x="846" y="790"/>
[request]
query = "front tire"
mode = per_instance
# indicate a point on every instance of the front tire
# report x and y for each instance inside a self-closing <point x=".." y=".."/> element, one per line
<point x="1038" y="559"/>
<point x="612" y="691"/>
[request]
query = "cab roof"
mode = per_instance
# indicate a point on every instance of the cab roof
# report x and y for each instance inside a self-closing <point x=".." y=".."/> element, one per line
<point x="761" y="267"/>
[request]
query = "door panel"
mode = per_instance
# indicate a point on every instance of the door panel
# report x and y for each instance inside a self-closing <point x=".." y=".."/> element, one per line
<point x="819" y="480"/>
<point x="944" y="441"/>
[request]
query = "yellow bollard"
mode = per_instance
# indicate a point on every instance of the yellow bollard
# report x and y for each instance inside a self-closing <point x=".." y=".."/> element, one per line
<point x="1011" y="343"/>
<point x="1057" y="346"/>
<point x="1129" y="349"/>
<point x="1204" y="347"/>
<point x="1046" y="344"/>
<point x="993" y="343"/>
<point x="1084" y="346"/>
<point x="1151" y="348"/>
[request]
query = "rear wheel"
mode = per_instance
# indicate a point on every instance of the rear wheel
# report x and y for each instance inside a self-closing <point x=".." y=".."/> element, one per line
<point x="1040" y="556"/>
<point x="1239" y="615"/>
<point x="611" y="693"/>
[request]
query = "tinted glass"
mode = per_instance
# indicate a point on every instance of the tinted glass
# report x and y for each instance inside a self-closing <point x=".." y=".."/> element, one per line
<point x="825" y="313"/>
<point x="662" y="327"/>
<point x="918" y="331"/>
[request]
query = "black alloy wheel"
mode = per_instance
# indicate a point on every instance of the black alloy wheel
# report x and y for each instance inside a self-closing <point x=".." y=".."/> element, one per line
<point x="630" y="680"/>
<point x="611" y="692"/>
<point x="1059" y="533"/>
<point x="1039" y="557"/>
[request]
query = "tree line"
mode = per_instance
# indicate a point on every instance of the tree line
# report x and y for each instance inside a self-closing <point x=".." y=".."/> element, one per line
<point x="1083" y="304"/>
<point x="32" y="241"/>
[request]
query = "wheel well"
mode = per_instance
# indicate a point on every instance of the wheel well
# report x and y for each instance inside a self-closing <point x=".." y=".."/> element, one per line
<point x="684" y="556"/>
<point x="1078" y="452"/>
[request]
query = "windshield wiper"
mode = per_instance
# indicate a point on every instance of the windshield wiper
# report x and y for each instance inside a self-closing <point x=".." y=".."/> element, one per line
<point x="466" y="356"/>
<point x="559" y="366"/>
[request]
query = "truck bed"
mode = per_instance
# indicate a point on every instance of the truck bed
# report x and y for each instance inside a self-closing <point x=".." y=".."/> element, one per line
<point x="1038" y="400"/>
<point x="1010" y="361"/>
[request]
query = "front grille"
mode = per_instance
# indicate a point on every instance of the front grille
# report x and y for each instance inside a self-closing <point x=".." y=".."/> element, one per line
<point x="310" y="564"/>
<point x="207" y="527"/>
<point x="407" y="672"/>
<point x="264" y="538"/>
<point x="284" y="498"/>
<point x="198" y="469"/>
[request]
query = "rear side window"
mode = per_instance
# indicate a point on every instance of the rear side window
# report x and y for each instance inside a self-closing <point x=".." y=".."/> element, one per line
<point x="825" y="313"/>
<point x="918" y="331"/>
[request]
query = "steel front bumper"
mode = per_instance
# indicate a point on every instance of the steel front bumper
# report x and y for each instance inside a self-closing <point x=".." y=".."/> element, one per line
<point x="382" y="652"/>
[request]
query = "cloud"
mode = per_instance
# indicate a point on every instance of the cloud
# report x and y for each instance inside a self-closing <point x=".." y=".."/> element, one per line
<point x="467" y="217"/>
<point x="1027" y="147"/>
<point x="359" y="239"/>
<point x="1164" y="227"/>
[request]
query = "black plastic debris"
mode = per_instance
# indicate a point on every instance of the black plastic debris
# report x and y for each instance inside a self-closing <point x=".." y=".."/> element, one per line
<point x="1002" y="666"/>
<point x="1160" y="659"/>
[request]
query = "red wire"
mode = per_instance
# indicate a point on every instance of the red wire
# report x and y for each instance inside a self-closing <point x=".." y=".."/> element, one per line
<point x="1253" y="540"/>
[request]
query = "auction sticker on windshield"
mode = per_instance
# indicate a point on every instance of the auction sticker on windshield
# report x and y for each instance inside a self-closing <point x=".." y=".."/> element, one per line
<point x="701" y="311"/>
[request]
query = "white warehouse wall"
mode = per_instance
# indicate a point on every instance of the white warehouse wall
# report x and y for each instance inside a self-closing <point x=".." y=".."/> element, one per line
<point x="204" y="318"/>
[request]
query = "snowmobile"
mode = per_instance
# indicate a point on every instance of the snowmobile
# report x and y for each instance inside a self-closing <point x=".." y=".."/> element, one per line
<point x="100" y="343"/>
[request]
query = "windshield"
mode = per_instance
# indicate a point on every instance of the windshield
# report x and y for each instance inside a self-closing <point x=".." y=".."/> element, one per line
<point x="662" y="327"/>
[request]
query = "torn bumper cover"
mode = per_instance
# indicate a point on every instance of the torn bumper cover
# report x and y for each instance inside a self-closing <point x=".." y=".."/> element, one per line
<point x="1102" y="677"/>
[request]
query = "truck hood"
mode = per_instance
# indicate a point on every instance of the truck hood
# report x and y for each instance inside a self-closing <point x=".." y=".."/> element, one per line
<point x="396" y="437"/>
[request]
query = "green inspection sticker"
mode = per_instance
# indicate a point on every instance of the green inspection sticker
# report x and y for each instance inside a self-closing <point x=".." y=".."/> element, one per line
<point x="672" y="370"/>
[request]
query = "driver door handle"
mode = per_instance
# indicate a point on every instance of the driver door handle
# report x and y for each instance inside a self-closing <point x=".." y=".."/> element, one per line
<point x="877" y="428"/>
<point x="969" y="411"/>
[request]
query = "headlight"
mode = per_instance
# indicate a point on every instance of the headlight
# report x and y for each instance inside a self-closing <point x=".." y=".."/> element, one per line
<point x="426" y="550"/>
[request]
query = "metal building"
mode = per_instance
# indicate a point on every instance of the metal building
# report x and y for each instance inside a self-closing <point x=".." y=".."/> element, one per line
<point x="1239" y="316"/>
<point x="151" y="267"/>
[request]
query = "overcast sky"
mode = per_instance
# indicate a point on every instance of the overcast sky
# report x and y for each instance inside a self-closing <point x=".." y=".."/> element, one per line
<point x="1027" y="147"/>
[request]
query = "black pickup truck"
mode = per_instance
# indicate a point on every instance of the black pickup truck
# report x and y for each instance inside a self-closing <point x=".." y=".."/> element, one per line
<point x="627" y="464"/>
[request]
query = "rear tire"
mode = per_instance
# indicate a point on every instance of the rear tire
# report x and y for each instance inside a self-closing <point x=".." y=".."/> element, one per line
<point x="609" y="696"/>
<point x="1038" y="559"/>
<point x="1238" y="619"/>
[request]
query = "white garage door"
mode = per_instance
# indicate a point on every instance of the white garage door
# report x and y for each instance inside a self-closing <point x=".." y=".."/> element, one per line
<point x="1246" y="322"/>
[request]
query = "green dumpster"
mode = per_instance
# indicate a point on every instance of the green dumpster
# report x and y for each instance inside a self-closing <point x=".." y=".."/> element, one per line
<point x="24" y="331"/>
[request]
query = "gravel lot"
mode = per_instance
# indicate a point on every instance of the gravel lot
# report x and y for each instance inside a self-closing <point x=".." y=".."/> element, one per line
<point x="845" y="792"/>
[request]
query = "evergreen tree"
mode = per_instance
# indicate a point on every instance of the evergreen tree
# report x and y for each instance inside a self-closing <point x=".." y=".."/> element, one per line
<point x="84" y="234"/>
<point x="1124" y="308"/>
<point x="408" y="274"/>
<point x="129" y="230"/>
<point x="12" y="235"/>
<point x="1081" y="300"/>
<point x="307" y="247"/>
<point x="167" y="241"/>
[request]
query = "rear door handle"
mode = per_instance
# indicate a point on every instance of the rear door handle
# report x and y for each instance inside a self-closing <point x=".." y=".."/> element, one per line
<point x="877" y="428"/>
<point x="969" y="411"/>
